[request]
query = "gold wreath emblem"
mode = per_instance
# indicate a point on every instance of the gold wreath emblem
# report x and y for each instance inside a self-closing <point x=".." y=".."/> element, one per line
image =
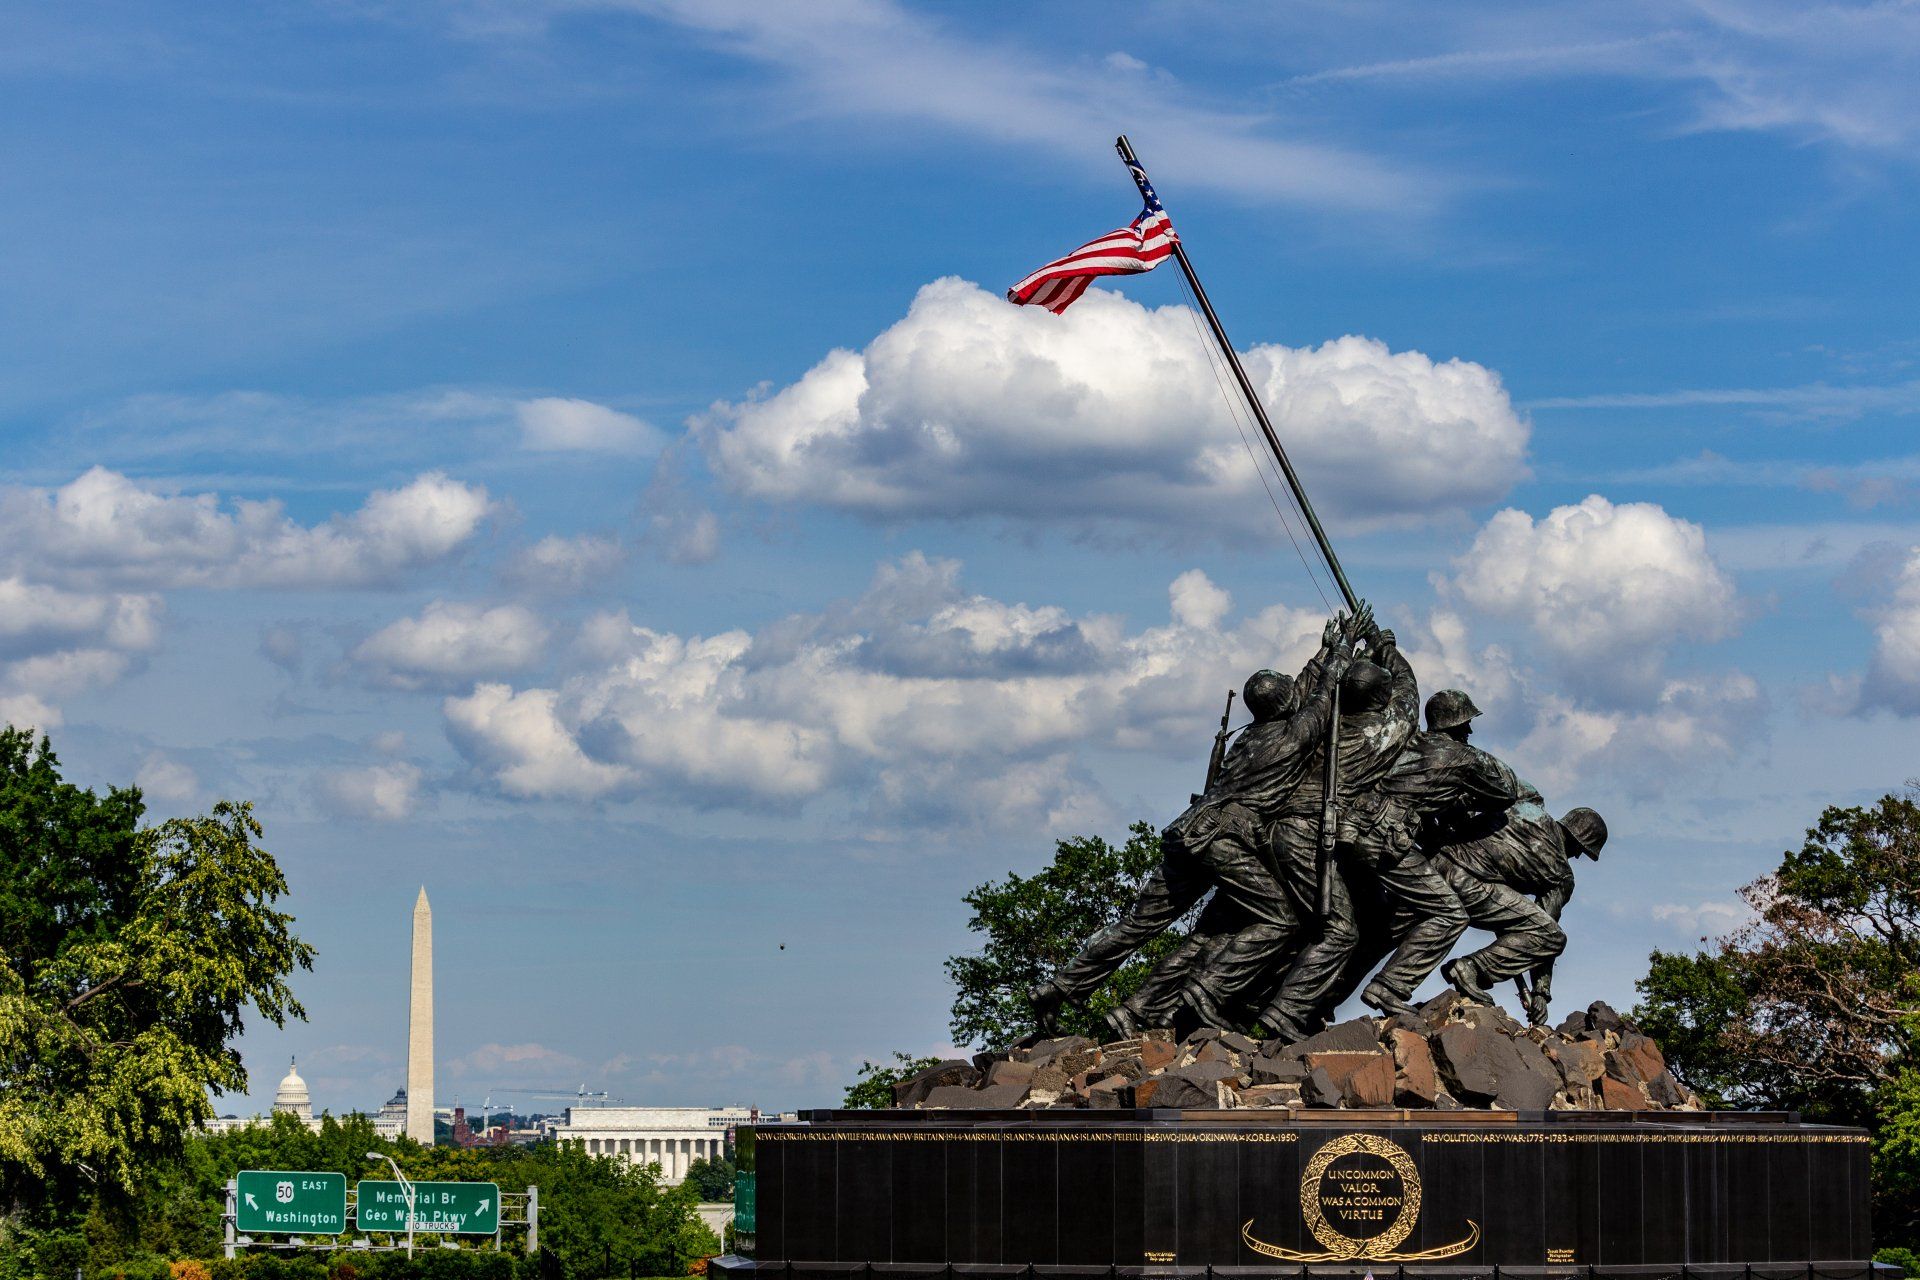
<point x="1340" y="1247"/>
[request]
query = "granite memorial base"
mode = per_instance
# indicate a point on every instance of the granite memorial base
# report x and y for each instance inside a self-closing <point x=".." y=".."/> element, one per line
<point x="931" y="1195"/>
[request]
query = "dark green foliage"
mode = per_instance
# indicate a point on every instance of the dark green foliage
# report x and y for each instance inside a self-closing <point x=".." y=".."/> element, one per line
<point x="872" y="1088"/>
<point x="712" y="1180"/>
<point x="1906" y="1259"/>
<point x="1687" y="1002"/>
<point x="67" y="868"/>
<point x="1896" y="1161"/>
<point x="128" y="956"/>
<point x="270" y="1266"/>
<point x="431" y="1263"/>
<point x="1034" y="924"/>
<point x="1815" y="1005"/>
<point x="592" y="1209"/>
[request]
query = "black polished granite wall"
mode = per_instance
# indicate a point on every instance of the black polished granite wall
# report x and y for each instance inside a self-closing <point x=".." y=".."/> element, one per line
<point x="1335" y="1190"/>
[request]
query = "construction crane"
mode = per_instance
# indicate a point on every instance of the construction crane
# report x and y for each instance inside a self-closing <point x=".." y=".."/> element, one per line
<point x="581" y="1097"/>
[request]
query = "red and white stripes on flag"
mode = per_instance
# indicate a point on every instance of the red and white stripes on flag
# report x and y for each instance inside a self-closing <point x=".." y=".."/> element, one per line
<point x="1141" y="246"/>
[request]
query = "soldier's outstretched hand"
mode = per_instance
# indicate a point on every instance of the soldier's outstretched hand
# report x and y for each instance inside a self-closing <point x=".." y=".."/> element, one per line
<point x="1361" y="626"/>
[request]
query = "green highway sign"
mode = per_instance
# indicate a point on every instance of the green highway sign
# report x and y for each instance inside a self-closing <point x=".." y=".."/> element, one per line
<point x="458" y="1208"/>
<point x="290" y="1203"/>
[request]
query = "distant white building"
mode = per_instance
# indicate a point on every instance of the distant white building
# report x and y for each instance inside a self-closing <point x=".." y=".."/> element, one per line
<point x="290" y="1099"/>
<point x="671" y="1137"/>
<point x="391" y="1121"/>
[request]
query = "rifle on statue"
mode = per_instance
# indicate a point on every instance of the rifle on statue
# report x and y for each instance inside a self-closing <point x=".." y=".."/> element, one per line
<point x="1329" y="811"/>
<point x="1218" y="760"/>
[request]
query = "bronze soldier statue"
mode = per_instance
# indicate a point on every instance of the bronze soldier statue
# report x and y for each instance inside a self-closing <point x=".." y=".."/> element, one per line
<point x="1216" y="845"/>
<point x="1514" y="876"/>
<point x="1432" y="835"/>
<point x="1378" y="817"/>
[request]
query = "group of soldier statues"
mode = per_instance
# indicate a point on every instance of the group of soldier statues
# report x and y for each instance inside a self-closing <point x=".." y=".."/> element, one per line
<point x="1336" y="836"/>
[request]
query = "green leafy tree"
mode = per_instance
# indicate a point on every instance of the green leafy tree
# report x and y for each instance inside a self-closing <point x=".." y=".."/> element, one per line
<point x="1034" y="924"/>
<point x="1687" y="1003"/>
<point x="872" y="1087"/>
<point x="1896" y="1164"/>
<point x="128" y="956"/>
<point x="598" y="1215"/>
<point x="1815" y="1005"/>
<point x="712" y="1179"/>
<point x="608" y="1210"/>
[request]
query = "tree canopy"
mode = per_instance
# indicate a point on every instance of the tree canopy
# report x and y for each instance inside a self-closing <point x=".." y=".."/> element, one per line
<point x="1033" y="924"/>
<point x="1815" y="1004"/>
<point x="872" y="1087"/>
<point x="712" y="1180"/>
<point x="128" y="957"/>
<point x="592" y="1208"/>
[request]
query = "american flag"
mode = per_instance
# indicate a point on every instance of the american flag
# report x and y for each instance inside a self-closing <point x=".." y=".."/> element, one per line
<point x="1140" y="246"/>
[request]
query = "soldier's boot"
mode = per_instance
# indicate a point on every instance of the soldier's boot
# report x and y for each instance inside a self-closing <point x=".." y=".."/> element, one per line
<point x="1121" y="1023"/>
<point x="1186" y="1020"/>
<point x="1205" y="1007"/>
<point x="1466" y="980"/>
<point x="1282" y="1028"/>
<point x="1380" y="999"/>
<point x="1046" y="999"/>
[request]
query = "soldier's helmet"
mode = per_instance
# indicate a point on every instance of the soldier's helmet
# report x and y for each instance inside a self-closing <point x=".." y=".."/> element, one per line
<point x="1366" y="687"/>
<point x="1267" y="694"/>
<point x="1586" y="829"/>
<point x="1448" y="709"/>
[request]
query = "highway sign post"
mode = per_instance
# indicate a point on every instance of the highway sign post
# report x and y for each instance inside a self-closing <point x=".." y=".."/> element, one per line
<point x="290" y="1203"/>
<point x="452" y="1208"/>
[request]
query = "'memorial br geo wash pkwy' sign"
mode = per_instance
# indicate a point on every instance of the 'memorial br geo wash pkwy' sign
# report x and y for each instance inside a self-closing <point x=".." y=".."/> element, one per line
<point x="454" y="1208"/>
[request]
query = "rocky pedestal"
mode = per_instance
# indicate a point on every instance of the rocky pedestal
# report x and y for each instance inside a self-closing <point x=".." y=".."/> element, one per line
<point x="1456" y="1144"/>
<point x="1455" y="1056"/>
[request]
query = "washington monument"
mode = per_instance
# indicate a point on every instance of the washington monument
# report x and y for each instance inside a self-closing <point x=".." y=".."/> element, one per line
<point x="420" y="1026"/>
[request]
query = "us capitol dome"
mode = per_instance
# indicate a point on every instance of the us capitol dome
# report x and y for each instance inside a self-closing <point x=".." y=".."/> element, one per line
<point x="291" y="1097"/>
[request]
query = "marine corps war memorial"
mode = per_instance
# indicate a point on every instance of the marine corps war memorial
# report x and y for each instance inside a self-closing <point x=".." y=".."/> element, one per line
<point x="1349" y="841"/>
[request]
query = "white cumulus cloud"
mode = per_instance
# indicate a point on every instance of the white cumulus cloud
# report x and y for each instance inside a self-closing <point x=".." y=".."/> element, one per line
<point x="969" y="406"/>
<point x="557" y="424"/>
<point x="165" y="778"/>
<point x="1702" y="920"/>
<point x="37" y="617"/>
<point x="386" y="792"/>
<point x="918" y="703"/>
<point x="103" y="529"/>
<point x="1607" y="588"/>
<point x="55" y="643"/>
<point x="564" y="566"/>
<point x="1689" y="723"/>
<point x="1892" y="681"/>
<point x="452" y="643"/>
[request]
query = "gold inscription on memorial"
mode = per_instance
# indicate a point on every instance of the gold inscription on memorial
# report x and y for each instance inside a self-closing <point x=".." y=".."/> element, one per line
<point x="1559" y="1255"/>
<point x="1159" y="1255"/>
<point x="1360" y="1199"/>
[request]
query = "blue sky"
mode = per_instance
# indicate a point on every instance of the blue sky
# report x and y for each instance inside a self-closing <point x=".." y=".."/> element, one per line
<point x="574" y="456"/>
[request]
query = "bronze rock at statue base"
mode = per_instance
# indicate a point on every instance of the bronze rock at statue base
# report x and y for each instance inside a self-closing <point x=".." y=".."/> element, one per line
<point x="1455" y="1054"/>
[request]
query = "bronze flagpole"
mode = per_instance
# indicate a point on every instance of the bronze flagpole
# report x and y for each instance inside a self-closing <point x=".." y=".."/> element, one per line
<point x="1132" y="161"/>
<point x="1330" y="783"/>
